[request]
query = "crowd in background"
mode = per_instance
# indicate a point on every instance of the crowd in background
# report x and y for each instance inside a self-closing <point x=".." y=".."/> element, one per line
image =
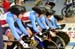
<point x="5" y="4"/>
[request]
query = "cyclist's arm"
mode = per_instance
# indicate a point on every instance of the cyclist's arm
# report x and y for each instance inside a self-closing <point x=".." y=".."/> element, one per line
<point x="54" y="22"/>
<point x="22" y="28"/>
<point x="10" y="22"/>
<point x="32" y="18"/>
<point x="48" y="23"/>
<point x="44" y="22"/>
<point x="57" y="25"/>
<point x="40" y="23"/>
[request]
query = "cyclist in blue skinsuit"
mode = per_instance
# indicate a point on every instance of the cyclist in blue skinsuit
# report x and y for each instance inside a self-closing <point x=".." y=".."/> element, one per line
<point x="15" y="14"/>
<point x="34" y="17"/>
<point x="42" y="21"/>
<point x="51" y="20"/>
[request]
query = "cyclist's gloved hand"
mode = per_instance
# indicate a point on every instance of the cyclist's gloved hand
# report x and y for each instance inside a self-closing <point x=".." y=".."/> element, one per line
<point x="25" y="45"/>
<point x="26" y="39"/>
<point x="39" y="34"/>
<point x="62" y="26"/>
<point x="53" y="29"/>
<point x="43" y="35"/>
<point x="44" y="30"/>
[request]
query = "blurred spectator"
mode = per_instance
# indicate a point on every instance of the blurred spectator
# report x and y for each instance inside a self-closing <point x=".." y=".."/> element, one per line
<point x="6" y="5"/>
<point x="20" y="2"/>
<point x="38" y="2"/>
<point x="1" y="11"/>
<point x="11" y="1"/>
<point x="1" y="2"/>
<point x="1" y="8"/>
<point x="16" y="2"/>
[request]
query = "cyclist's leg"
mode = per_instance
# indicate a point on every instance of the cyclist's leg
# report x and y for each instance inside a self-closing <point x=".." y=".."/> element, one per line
<point x="9" y="33"/>
<point x="27" y="28"/>
<point x="10" y="37"/>
<point x="40" y="42"/>
<point x="39" y="28"/>
<point x="29" y="31"/>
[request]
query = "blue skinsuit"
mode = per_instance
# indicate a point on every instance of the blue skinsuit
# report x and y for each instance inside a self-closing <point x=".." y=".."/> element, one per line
<point x="10" y="21"/>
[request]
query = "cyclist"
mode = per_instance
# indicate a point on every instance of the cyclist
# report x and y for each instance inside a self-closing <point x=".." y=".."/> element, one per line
<point x="13" y="15"/>
<point x="51" y="14"/>
<point x="32" y="17"/>
<point x="48" y="5"/>
<point x="51" y="19"/>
